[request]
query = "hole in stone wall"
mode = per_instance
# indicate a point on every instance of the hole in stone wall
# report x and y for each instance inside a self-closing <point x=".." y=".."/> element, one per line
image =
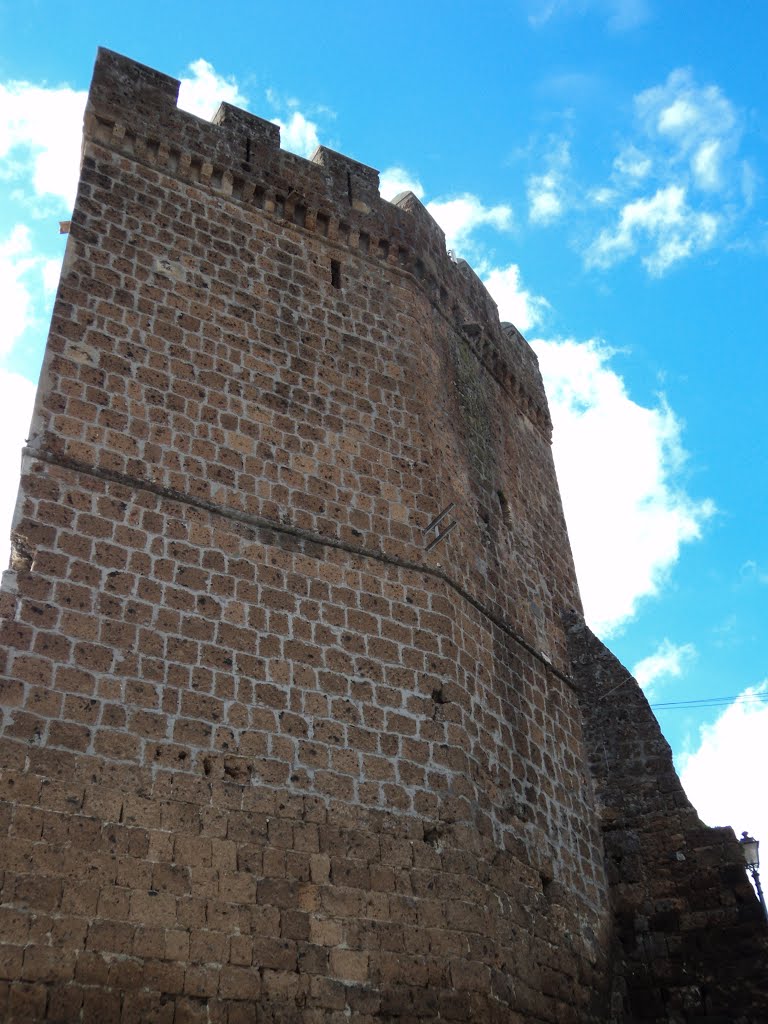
<point x="336" y="273"/>
<point x="506" y="509"/>
<point x="383" y="248"/>
<point x="280" y="205"/>
<point x="322" y="224"/>
<point x="364" y="242"/>
<point x="343" y="231"/>
<point x="300" y="215"/>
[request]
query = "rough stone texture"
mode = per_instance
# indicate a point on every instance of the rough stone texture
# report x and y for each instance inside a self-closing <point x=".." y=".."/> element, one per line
<point x="689" y="934"/>
<point x="266" y="755"/>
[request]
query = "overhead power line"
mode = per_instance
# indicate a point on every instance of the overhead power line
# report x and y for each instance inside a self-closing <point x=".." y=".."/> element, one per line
<point x="713" y="702"/>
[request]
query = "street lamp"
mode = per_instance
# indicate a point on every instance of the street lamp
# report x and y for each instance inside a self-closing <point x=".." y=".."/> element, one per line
<point x="750" y="848"/>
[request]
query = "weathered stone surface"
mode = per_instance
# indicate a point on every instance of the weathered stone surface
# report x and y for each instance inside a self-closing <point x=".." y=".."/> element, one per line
<point x="267" y="753"/>
<point x="690" y="941"/>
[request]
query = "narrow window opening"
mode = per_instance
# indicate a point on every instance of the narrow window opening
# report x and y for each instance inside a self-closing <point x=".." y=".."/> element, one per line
<point x="247" y="151"/>
<point x="322" y="224"/>
<point x="336" y="273"/>
<point x="383" y="248"/>
<point x="349" y="187"/>
<point x="506" y="509"/>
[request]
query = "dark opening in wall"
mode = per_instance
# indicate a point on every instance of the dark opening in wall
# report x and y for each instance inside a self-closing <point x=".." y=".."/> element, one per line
<point x="336" y="273"/>
<point x="506" y="509"/>
<point x="300" y="215"/>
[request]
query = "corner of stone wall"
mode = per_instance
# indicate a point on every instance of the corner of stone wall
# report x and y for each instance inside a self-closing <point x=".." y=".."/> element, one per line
<point x="690" y="934"/>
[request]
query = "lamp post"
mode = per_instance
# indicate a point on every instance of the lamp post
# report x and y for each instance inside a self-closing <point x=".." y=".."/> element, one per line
<point x="750" y="848"/>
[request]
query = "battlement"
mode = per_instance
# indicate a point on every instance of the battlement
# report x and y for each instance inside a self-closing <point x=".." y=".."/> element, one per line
<point x="133" y="109"/>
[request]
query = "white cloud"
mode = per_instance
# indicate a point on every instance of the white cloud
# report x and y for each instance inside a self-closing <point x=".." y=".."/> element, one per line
<point x="461" y="216"/>
<point x="298" y="134"/>
<point x="545" y="202"/>
<point x="547" y="191"/>
<point x="725" y="775"/>
<point x="691" y="125"/>
<point x="619" y="466"/>
<point x="666" y="220"/>
<point x="602" y="196"/>
<point x="620" y="15"/>
<point x="516" y="304"/>
<point x="51" y="271"/>
<point x="668" y="660"/>
<point x="678" y="185"/>
<point x="633" y="162"/>
<point x="40" y="135"/>
<point x="202" y="91"/>
<point x="706" y="164"/>
<point x="395" y="180"/>
<point x="17" y="396"/>
<point x="17" y="263"/>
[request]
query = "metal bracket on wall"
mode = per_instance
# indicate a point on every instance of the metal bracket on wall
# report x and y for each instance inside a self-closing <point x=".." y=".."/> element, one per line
<point x="439" y="534"/>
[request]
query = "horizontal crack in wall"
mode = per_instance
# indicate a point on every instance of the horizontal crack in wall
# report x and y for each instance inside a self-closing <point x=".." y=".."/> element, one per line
<point x="263" y="523"/>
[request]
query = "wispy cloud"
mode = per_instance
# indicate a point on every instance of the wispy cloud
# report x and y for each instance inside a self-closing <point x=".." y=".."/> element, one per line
<point x="619" y="15"/>
<point x="620" y="468"/>
<point x="690" y="127"/>
<point x="676" y="182"/>
<point x="667" y="661"/>
<point x="753" y="572"/>
<point x="665" y="220"/>
<point x="17" y="265"/>
<point x="547" y="191"/>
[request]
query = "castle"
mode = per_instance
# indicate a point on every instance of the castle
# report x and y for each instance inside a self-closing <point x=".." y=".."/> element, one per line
<point x="300" y="717"/>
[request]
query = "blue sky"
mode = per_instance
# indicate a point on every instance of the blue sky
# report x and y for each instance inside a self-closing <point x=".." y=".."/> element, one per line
<point x="603" y="164"/>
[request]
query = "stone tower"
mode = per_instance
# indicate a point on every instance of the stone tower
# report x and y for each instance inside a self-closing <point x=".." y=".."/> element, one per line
<point x="300" y="718"/>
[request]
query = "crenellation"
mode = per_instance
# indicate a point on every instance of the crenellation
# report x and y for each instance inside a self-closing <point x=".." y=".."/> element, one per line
<point x="343" y="190"/>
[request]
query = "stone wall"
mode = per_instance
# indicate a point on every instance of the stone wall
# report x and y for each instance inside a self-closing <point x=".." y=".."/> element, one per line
<point x="690" y="940"/>
<point x="265" y="742"/>
<point x="274" y="745"/>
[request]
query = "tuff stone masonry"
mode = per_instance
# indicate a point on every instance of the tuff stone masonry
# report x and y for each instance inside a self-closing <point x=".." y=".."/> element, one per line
<point x="276" y="746"/>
